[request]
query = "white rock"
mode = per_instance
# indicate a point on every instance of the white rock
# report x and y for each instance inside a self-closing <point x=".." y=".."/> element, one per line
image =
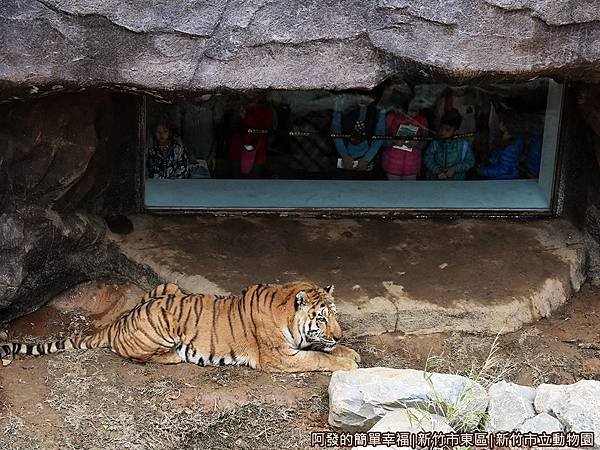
<point x="549" y="397"/>
<point x="410" y="420"/>
<point x="576" y="406"/>
<point x="509" y="406"/>
<point x="359" y="398"/>
<point x="541" y="422"/>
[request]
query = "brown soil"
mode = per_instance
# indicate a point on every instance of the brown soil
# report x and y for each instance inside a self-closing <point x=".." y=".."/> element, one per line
<point x="96" y="400"/>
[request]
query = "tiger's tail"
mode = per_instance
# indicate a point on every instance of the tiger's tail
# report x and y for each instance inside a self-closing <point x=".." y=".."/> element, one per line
<point x="10" y="350"/>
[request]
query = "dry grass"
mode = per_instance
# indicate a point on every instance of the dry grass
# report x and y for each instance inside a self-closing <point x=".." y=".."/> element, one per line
<point x="99" y="409"/>
<point x="466" y="414"/>
<point x="259" y="426"/>
<point x="479" y="357"/>
<point x="17" y="434"/>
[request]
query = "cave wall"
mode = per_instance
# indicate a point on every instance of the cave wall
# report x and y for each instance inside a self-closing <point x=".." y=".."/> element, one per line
<point x="583" y="197"/>
<point x="66" y="160"/>
<point x="71" y="151"/>
<point x="309" y="44"/>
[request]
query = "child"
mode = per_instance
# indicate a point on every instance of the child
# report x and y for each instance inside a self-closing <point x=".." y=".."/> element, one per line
<point x="448" y="158"/>
<point x="247" y="152"/>
<point x="167" y="158"/>
<point x="504" y="161"/>
<point x="357" y="153"/>
<point x="402" y="159"/>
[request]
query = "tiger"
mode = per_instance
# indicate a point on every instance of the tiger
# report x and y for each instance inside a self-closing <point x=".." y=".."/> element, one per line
<point x="270" y="327"/>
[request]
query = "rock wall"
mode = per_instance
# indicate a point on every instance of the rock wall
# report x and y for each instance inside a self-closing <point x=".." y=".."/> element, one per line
<point x="200" y="44"/>
<point x="43" y="253"/>
<point x="588" y="200"/>
<point x="69" y="152"/>
<point x="65" y="160"/>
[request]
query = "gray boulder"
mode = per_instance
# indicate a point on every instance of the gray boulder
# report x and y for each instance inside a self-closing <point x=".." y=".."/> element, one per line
<point x="549" y="397"/>
<point x="542" y="422"/>
<point x="576" y="406"/>
<point x="43" y="253"/>
<point x="510" y="405"/>
<point x="359" y="398"/>
<point x="292" y="44"/>
<point x="410" y="420"/>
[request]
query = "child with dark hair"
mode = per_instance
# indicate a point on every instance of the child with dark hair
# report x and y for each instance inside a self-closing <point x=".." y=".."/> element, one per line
<point x="357" y="153"/>
<point x="449" y="158"/>
<point x="167" y="158"/>
<point x="504" y="161"/>
<point x="402" y="159"/>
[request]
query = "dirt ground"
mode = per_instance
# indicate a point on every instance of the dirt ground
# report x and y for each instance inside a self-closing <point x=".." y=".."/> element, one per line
<point x="96" y="400"/>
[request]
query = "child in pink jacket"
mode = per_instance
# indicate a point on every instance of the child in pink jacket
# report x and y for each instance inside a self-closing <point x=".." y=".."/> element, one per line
<point x="402" y="159"/>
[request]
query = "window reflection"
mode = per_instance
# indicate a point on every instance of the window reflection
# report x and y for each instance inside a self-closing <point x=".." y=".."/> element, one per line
<point x="394" y="133"/>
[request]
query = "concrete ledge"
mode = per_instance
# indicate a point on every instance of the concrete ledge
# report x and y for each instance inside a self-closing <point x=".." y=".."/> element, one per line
<point x="409" y="276"/>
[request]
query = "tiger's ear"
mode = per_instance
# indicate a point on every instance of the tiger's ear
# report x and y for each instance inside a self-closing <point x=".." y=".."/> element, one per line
<point x="329" y="289"/>
<point x="301" y="299"/>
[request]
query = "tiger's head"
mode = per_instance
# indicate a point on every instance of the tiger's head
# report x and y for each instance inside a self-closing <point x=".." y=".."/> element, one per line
<point x="315" y="323"/>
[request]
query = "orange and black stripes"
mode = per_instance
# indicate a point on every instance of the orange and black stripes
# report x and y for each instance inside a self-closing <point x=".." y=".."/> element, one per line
<point x="169" y="326"/>
<point x="15" y="348"/>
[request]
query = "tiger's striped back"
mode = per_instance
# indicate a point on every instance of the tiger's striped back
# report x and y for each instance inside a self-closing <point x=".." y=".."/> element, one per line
<point x="260" y="328"/>
<point x="162" y="290"/>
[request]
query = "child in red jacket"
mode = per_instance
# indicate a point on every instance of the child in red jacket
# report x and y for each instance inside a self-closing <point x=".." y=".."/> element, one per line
<point x="248" y="151"/>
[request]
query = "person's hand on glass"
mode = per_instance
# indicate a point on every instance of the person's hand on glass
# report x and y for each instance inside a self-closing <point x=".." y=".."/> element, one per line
<point x="442" y="175"/>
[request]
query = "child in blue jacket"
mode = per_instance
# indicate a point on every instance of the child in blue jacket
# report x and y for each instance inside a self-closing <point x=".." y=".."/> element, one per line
<point x="504" y="161"/>
<point x="448" y="158"/>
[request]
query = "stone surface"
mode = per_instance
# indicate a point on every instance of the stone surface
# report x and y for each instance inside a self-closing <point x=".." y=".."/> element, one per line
<point x="359" y="398"/>
<point x="64" y="159"/>
<point x="541" y="423"/>
<point x="410" y="420"/>
<point x="509" y="406"/>
<point x="550" y="397"/>
<point x="588" y="99"/>
<point x="199" y="44"/>
<point x="42" y="253"/>
<point x="577" y="406"/>
<point x="69" y="152"/>
<point x="392" y="297"/>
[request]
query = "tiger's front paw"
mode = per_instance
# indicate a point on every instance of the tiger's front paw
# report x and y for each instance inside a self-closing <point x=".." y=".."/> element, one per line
<point x="345" y="364"/>
<point x="352" y="354"/>
<point x="346" y="352"/>
<point x="6" y="361"/>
